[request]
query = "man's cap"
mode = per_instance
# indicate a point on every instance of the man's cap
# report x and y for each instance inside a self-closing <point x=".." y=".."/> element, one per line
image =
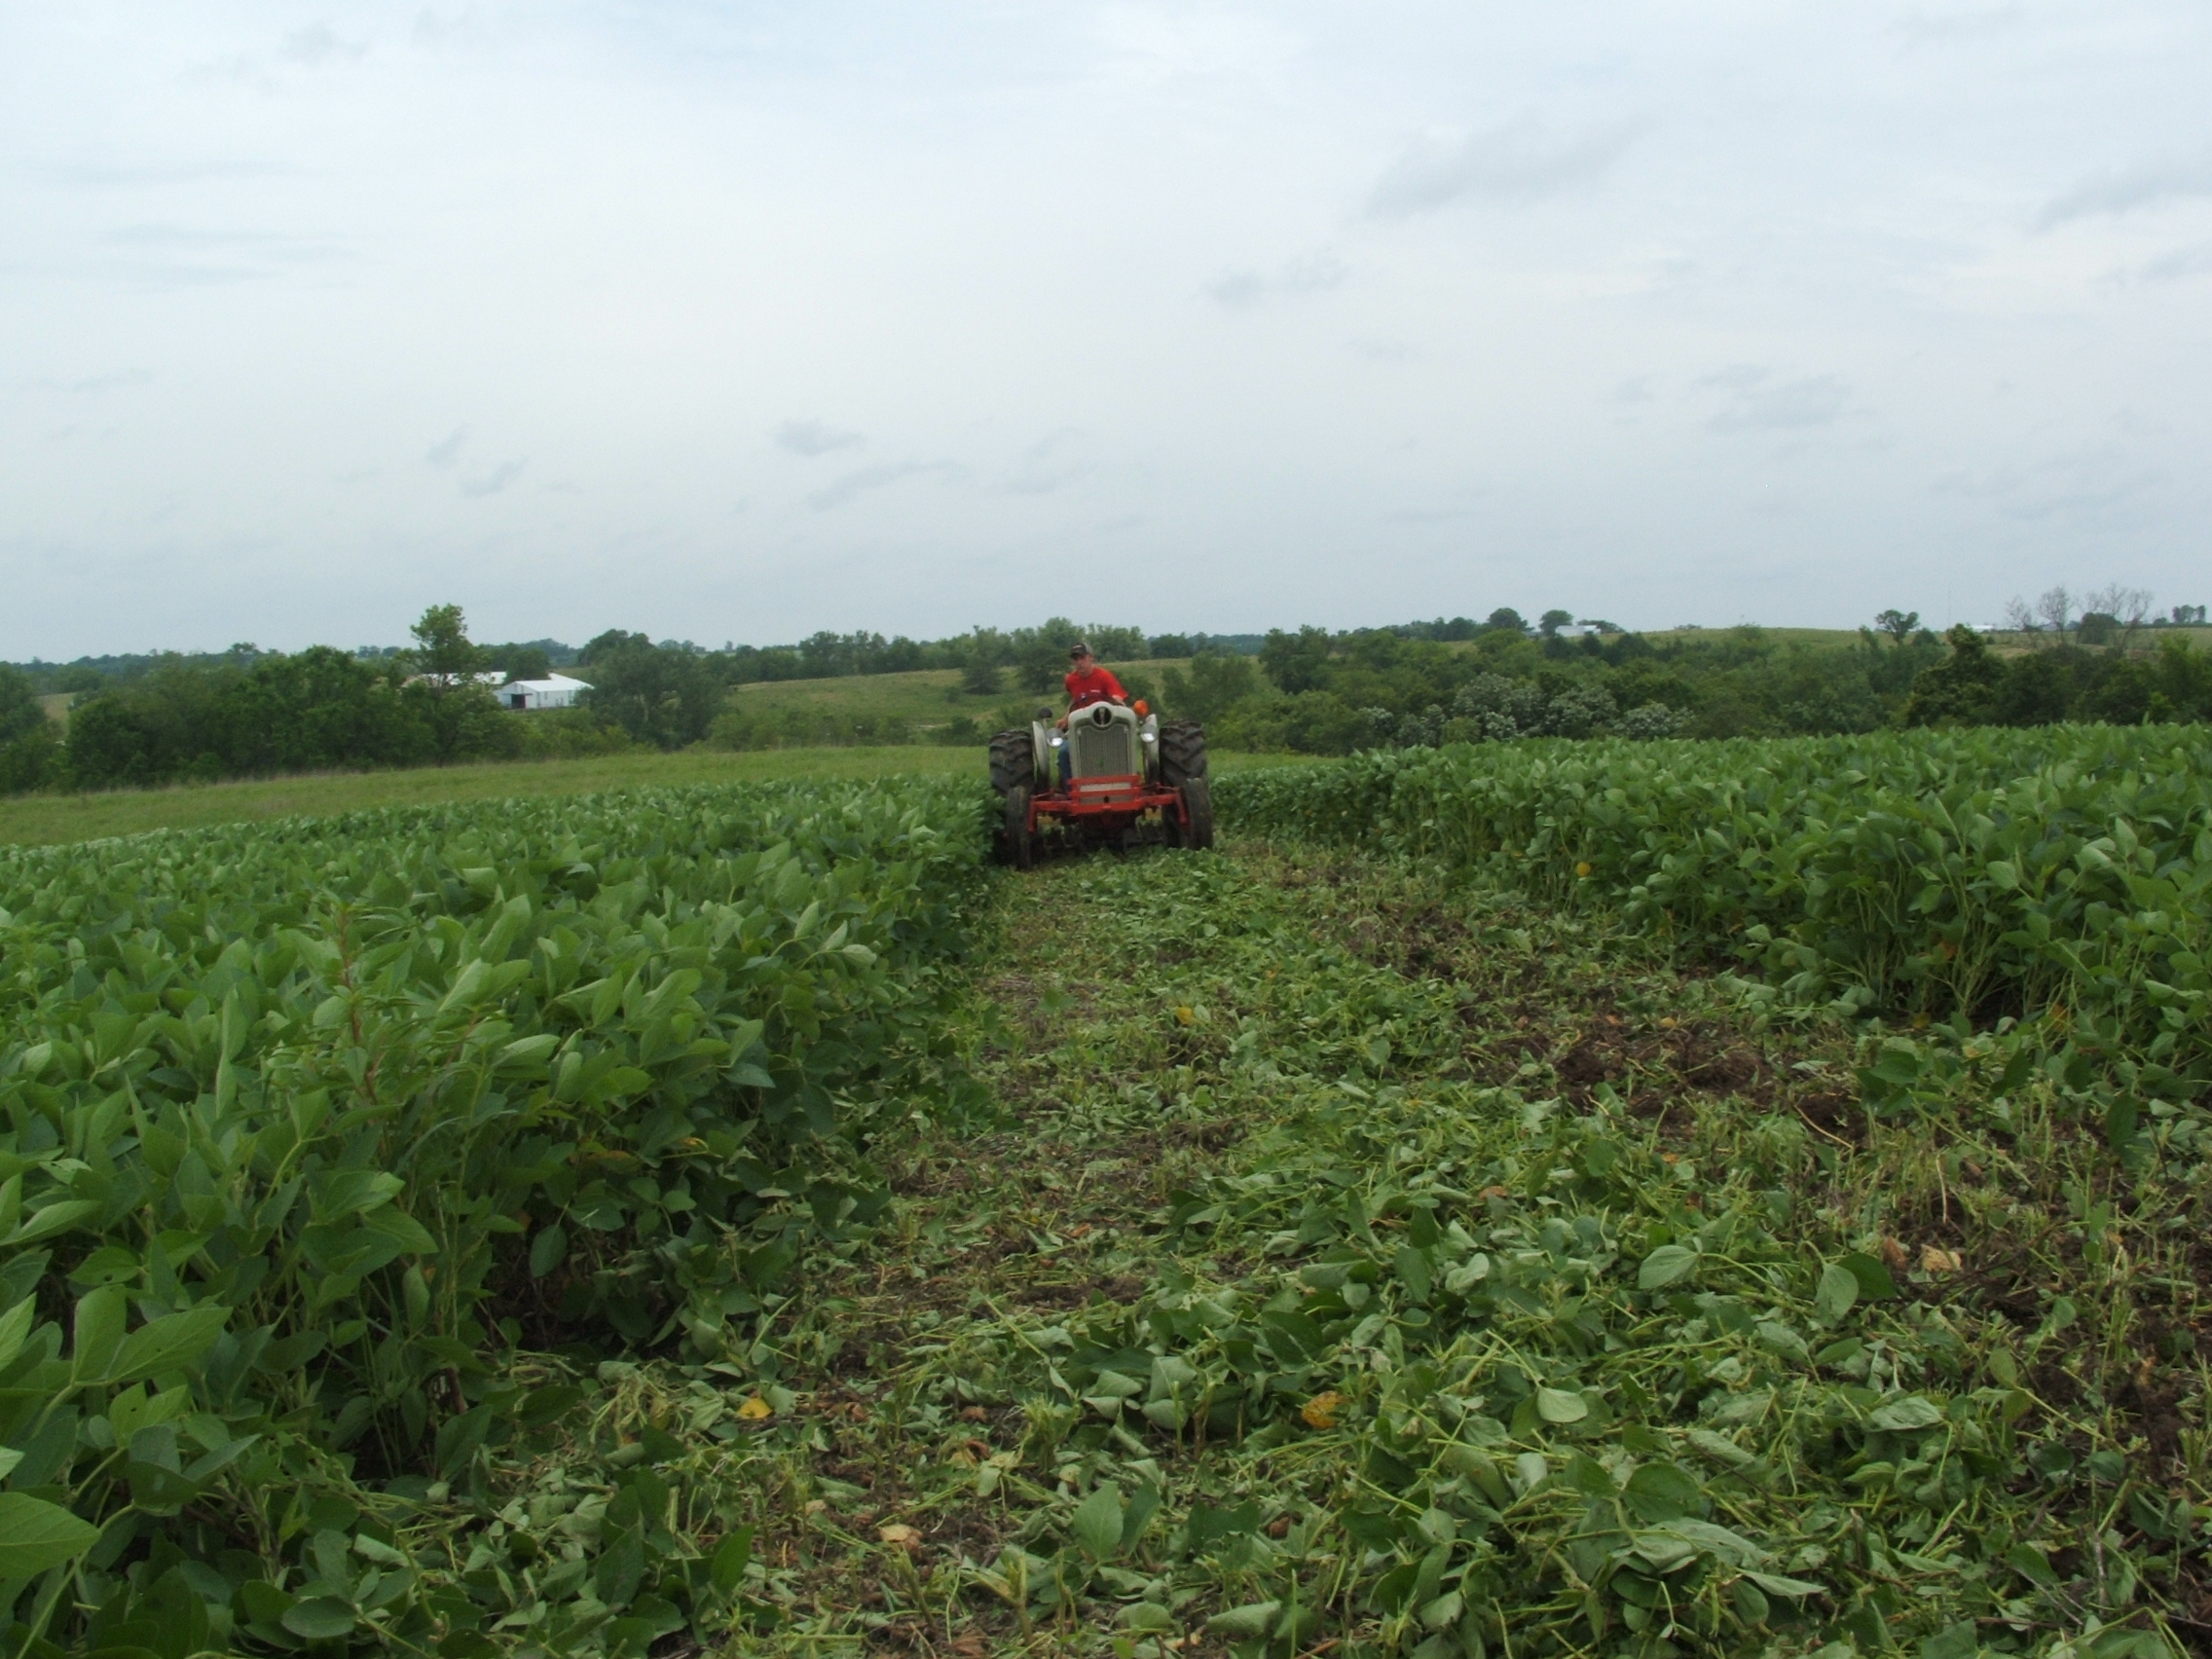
<point x="1082" y="648"/>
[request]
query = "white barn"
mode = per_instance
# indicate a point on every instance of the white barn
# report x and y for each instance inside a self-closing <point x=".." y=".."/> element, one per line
<point x="554" y="691"/>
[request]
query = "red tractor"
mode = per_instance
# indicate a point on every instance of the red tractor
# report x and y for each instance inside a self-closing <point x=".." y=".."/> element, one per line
<point x="1129" y="781"/>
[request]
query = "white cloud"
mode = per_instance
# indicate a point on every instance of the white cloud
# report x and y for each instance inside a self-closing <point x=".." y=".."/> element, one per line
<point x="1523" y="161"/>
<point x="2121" y="190"/>
<point x="812" y="438"/>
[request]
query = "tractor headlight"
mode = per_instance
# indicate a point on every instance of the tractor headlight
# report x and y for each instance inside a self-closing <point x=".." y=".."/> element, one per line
<point x="1149" y="738"/>
<point x="1056" y="742"/>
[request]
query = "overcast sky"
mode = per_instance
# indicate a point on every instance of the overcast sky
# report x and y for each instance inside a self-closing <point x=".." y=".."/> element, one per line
<point x="736" y="321"/>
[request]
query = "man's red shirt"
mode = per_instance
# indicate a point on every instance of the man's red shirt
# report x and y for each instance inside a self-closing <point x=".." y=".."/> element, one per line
<point x="1084" y="689"/>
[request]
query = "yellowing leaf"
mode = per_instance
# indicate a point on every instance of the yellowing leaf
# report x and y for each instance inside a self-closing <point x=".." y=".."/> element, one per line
<point x="899" y="1533"/>
<point x="754" y="1409"/>
<point x="1186" y="1016"/>
<point x="1585" y="869"/>
<point x="1320" y="1412"/>
<point x="1934" y="1260"/>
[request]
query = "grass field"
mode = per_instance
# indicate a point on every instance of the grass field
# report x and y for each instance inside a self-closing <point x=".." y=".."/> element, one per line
<point x="929" y="696"/>
<point x="28" y="820"/>
<point x="40" y="820"/>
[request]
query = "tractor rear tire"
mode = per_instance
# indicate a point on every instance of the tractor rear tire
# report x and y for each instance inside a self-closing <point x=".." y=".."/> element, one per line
<point x="1016" y="845"/>
<point x="1196" y="831"/>
<point x="1014" y="760"/>
<point x="1182" y="751"/>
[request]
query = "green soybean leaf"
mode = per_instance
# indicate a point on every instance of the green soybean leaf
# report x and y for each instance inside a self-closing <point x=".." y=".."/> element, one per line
<point x="547" y="1250"/>
<point x="35" y="1534"/>
<point x="1668" y="1265"/>
<point x="171" y="1343"/>
<point x="1097" y="1524"/>
<point x="1911" y="1411"/>
<point x="1873" y="1278"/>
<point x="730" y="1560"/>
<point x="322" y="1618"/>
<point x="53" y="1219"/>
<point x="1838" y="1291"/>
<point x="98" y="1332"/>
<point x="1775" y="1583"/>
<point x="1253" y="1618"/>
<point x="1561" y="1405"/>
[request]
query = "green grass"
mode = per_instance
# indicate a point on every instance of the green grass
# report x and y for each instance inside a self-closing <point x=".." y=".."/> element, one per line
<point x="41" y="819"/>
<point x="929" y="697"/>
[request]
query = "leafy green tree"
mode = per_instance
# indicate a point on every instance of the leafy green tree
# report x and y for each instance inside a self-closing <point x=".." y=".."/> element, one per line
<point x="1960" y="691"/>
<point x="442" y="653"/>
<point x="1296" y="662"/>
<point x="1898" y="624"/>
<point x="21" y="711"/>
<point x="1552" y="621"/>
<point x="1506" y="619"/>
<point x="1211" y="686"/>
<point x="666" y="695"/>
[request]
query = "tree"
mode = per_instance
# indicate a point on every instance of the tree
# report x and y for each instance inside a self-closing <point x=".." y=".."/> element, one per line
<point x="662" y="694"/>
<point x="2055" y="605"/>
<point x="1898" y="624"/>
<point x="1296" y="662"/>
<point x="21" y="713"/>
<point x="2020" y="616"/>
<point x="1506" y="619"/>
<point x="1212" y="686"/>
<point x="443" y="655"/>
<point x="1960" y="691"/>
<point x="1552" y="621"/>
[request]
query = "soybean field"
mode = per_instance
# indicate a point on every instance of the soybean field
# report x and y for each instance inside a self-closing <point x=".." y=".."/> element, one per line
<point x="1641" y="1199"/>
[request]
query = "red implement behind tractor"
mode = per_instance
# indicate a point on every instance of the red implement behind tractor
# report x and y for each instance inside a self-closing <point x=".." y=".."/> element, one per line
<point x="1115" y="778"/>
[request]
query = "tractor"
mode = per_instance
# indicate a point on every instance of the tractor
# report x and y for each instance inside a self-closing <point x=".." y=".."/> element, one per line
<point x="1129" y="781"/>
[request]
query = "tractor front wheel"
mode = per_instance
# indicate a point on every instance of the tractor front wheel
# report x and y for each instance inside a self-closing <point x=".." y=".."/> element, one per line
<point x="1016" y="845"/>
<point x="1196" y="831"/>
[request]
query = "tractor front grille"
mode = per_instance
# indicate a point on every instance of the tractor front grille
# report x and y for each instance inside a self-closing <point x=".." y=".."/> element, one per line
<point x="1103" y="752"/>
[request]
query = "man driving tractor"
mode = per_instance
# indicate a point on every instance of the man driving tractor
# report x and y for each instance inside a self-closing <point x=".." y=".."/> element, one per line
<point x="1087" y="683"/>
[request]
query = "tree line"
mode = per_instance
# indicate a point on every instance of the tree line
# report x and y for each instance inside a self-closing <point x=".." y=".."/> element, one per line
<point x="248" y="713"/>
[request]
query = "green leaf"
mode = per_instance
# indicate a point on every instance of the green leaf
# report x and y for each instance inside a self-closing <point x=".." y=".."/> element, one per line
<point x="548" y="1249"/>
<point x="1253" y="1618"/>
<point x="1561" y="1405"/>
<point x="730" y="1560"/>
<point x="1911" y="1411"/>
<point x="1668" y="1265"/>
<point x="101" y="1315"/>
<point x="1662" y="1492"/>
<point x="15" y="1326"/>
<point x="51" y="1220"/>
<point x="35" y="1534"/>
<point x="322" y="1618"/>
<point x="1874" y="1281"/>
<point x="1777" y="1584"/>
<point x="171" y="1343"/>
<point x="1839" y="1290"/>
<point x="1097" y="1523"/>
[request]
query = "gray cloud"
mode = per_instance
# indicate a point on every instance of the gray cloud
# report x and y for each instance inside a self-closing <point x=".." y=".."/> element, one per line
<point x="493" y="481"/>
<point x="1523" y="161"/>
<point x="815" y="438"/>
<point x="2120" y="189"/>
<point x="1241" y="290"/>
<point x="854" y="485"/>
<point x="447" y="450"/>
<point x="316" y="46"/>
<point x="1046" y="466"/>
<point x="1759" y="403"/>
<point x="2194" y="261"/>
